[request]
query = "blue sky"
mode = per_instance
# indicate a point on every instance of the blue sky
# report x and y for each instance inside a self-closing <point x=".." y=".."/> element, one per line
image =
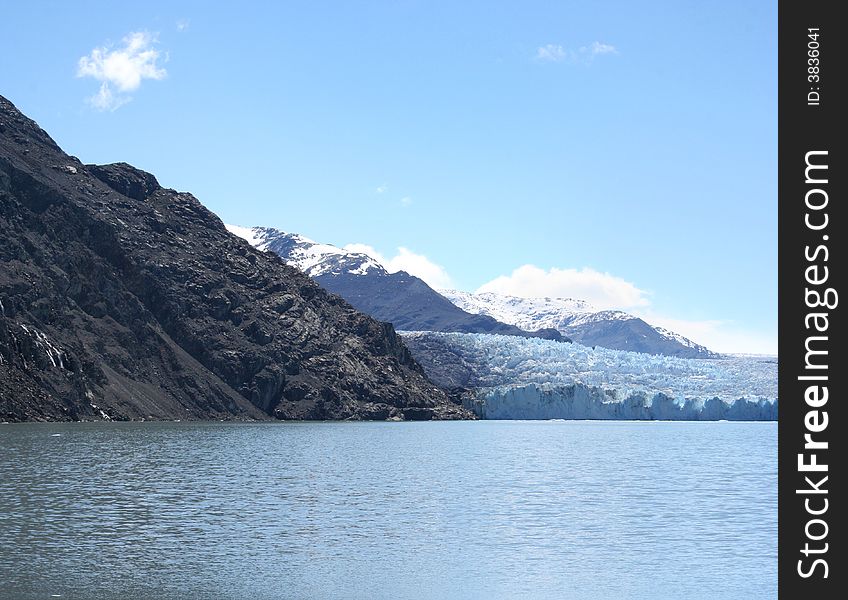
<point x="622" y="151"/>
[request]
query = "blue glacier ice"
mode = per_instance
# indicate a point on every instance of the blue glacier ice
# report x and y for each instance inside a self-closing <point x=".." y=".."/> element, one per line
<point x="580" y="401"/>
<point x="527" y="378"/>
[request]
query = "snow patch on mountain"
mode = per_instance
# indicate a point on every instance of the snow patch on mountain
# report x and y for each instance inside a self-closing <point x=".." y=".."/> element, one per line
<point x="253" y="235"/>
<point x="539" y="312"/>
<point x="667" y="333"/>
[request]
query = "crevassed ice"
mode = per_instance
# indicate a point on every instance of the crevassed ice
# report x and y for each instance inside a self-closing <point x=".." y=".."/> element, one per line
<point x="504" y="364"/>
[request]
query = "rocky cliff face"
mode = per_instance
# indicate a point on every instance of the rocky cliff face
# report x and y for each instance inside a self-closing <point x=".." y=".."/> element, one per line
<point x="121" y="299"/>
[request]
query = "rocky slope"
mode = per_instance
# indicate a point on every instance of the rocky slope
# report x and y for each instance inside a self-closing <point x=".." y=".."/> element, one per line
<point x="120" y="299"/>
<point x="399" y="298"/>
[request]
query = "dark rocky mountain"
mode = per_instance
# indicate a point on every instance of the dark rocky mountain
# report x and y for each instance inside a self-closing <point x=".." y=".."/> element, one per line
<point x="120" y="299"/>
<point x="402" y="299"/>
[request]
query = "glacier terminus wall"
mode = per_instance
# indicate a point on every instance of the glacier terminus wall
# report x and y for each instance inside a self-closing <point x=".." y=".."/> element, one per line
<point x="581" y="402"/>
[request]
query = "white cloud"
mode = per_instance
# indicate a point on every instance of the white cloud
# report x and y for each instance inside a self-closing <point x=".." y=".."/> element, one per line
<point x="406" y="201"/>
<point x="584" y="54"/>
<point x="183" y="24"/>
<point x="382" y="188"/>
<point x="551" y="52"/>
<point x="406" y="260"/>
<point x="121" y="69"/>
<point x="602" y="290"/>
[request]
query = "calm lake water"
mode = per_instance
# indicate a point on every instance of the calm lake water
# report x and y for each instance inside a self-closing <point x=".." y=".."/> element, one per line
<point x="595" y="510"/>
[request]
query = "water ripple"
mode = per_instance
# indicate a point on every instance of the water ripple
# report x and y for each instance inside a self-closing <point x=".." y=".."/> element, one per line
<point x="388" y="510"/>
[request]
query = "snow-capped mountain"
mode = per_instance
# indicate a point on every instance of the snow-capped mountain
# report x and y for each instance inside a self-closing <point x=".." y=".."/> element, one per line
<point x="313" y="258"/>
<point x="581" y="321"/>
<point x="399" y="298"/>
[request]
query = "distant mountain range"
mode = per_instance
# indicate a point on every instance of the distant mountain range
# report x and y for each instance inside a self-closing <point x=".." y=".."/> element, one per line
<point x="398" y="298"/>
<point x="580" y="321"/>
<point x="410" y="304"/>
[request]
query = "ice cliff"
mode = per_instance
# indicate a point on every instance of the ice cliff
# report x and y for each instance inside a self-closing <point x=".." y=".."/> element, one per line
<point x="580" y="401"/>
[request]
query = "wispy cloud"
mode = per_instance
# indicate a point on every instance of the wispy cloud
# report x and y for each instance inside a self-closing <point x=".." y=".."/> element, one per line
<point x="183" y="24"/>
<point x="406" y="260"/>
<point x="596" y="48"/>
<point x="406" y="201"/>
<point x="551" y="52"/>
<point x="382" y="188"/>
<point x="583" y="54"/>
<point x="121" y="70"/>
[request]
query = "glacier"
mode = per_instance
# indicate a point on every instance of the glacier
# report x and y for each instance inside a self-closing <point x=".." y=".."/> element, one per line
<point x="519" y="378"/>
